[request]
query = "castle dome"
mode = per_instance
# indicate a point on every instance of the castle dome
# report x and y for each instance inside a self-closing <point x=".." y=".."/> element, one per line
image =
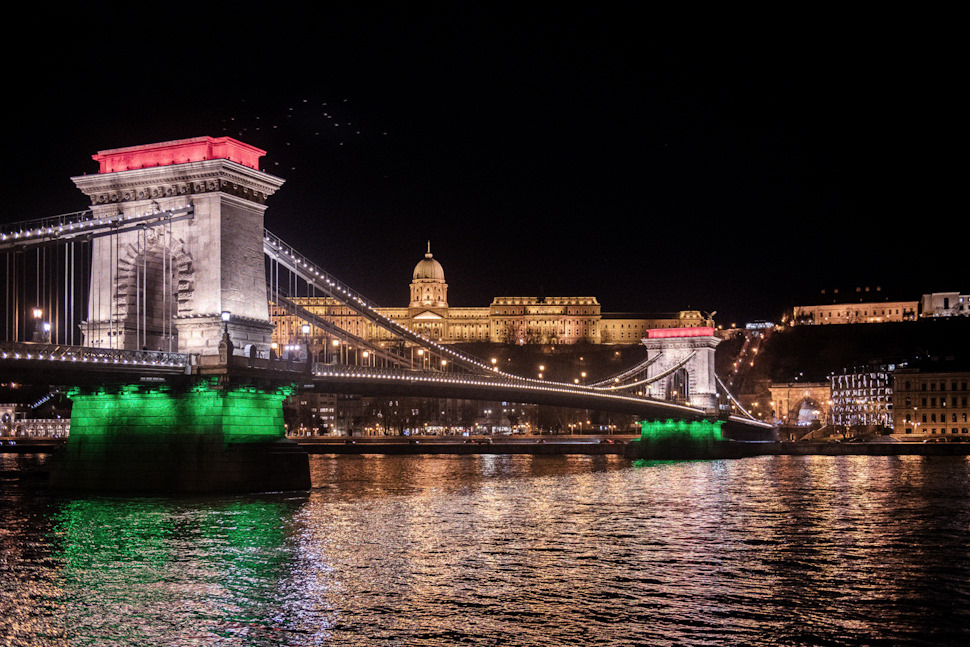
<point x="428" y="268"/>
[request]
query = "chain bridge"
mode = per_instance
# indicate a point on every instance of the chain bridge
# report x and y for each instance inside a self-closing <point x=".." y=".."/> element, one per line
<point x="153" y="309"/>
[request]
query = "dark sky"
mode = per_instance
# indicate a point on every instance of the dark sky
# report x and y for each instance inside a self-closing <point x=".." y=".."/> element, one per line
<point x="655" y="162"/>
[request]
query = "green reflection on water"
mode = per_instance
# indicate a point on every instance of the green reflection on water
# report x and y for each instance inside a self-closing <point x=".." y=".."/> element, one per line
<point x="131" y="570"/>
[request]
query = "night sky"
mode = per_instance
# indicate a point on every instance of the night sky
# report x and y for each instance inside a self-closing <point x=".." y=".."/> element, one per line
<point x="657" y="163"/>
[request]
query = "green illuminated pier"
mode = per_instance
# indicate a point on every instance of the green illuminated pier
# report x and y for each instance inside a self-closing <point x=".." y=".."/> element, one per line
<point x="201" y="438"/>
<point x="681" y="439"/>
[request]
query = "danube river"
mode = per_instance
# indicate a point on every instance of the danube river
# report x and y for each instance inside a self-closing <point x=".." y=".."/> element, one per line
<point x="503" y="550"/>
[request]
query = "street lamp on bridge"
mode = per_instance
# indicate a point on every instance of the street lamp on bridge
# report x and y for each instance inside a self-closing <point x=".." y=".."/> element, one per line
<point x="225" y="346"/>
<point x="38" y="313"/>
<point x="306" y="339"/>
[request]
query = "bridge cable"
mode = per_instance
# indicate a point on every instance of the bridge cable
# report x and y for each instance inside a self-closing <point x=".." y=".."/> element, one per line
<point x="734" y="400"/>
<point x="298" y="311"/>
<point x="627" y="373"/>
<point x="299" y="264"/>
<point x="655" y="378"/>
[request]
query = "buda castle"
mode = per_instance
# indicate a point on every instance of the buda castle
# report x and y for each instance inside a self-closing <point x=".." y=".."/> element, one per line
<point x="507" y="320"/>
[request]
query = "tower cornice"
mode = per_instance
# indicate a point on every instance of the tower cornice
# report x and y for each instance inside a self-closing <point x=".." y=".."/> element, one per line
<point x="191" y="178"/>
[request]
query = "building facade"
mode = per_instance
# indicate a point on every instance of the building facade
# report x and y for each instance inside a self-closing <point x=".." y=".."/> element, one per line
<point x="863" y="398"/>
<point x="849" y="313"/>
<point x="931" y="403"/>
<point x="861" y="305"/>
<point x="945" y="304"/>
<point x="507" y="320"/>
<point x="309" y="413"/>
<point x="865" y="305"/>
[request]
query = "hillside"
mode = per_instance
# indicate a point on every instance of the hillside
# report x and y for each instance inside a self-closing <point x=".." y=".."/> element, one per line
<point x="812" y="353"/>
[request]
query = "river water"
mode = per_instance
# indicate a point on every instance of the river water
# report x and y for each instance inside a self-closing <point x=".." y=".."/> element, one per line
<point x="503" y="550"/>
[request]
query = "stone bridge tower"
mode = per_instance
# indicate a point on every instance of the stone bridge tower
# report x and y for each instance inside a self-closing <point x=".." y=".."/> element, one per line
<point x="164" y="281"/>
<point x="166" y="286"/>
<point x="683" y="366"/>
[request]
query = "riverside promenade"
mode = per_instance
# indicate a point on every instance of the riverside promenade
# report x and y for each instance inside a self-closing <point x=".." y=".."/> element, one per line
<point x="547" y="444"/>
<point x="620" y="445"/>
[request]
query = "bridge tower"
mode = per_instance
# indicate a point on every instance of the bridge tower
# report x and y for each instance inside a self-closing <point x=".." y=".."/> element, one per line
<point x="166" y="287"/>
<point x="681" y="365"/>
<point x="195" y="283"/>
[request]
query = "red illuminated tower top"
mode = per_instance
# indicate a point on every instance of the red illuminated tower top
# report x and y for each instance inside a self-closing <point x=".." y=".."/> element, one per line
<point x="668" y="333"/>
<point x="180" y="151"/>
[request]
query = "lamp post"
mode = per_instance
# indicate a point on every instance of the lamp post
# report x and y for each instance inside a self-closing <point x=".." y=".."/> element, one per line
<point x="225" y="346"/>
<point x="38" y="313"/>
<point x="306" y="339"/>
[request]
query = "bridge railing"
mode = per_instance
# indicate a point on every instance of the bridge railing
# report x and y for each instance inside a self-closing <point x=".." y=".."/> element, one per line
<point x="399" y="373"/>
<point x="64" y="353"/>
<point x="510" y="384"/>
<point x="86" y="224"/>
<point x="40" y="226"/>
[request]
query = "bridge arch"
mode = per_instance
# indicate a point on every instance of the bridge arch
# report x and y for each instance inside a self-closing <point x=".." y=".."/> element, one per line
<point x="155" y="283"/>
<point x="152" y="286"/>
<point x="678" y="384"/>
<point x="801" y="403"/>
<point x="806" y="411"/>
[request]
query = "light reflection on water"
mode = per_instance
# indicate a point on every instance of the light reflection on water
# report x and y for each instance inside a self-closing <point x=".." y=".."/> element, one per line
<point x="503" y="550"/>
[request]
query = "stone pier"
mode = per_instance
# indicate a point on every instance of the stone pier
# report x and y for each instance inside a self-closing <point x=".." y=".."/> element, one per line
<point x="196" y="439"/>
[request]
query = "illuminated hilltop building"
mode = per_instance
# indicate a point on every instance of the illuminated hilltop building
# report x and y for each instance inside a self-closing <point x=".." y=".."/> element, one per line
<point x="507" y="320"/>
<point x="853" y="307"/>
<point x="865" y="305"/>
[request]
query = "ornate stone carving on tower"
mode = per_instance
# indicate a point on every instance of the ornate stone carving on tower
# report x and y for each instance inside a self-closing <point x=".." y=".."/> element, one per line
<point x="683" y="365"/>
<point x="166" y="287"/>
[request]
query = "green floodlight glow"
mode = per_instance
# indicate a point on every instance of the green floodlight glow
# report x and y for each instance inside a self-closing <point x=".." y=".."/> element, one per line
<point x="695" y="431"/>
<point x="151" y="439"/>
<point x="680" y="440"/>
<point x="244" y="414"/>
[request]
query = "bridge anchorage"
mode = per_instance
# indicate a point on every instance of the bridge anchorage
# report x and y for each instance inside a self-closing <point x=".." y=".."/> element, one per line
<point x="152" y="309"/>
